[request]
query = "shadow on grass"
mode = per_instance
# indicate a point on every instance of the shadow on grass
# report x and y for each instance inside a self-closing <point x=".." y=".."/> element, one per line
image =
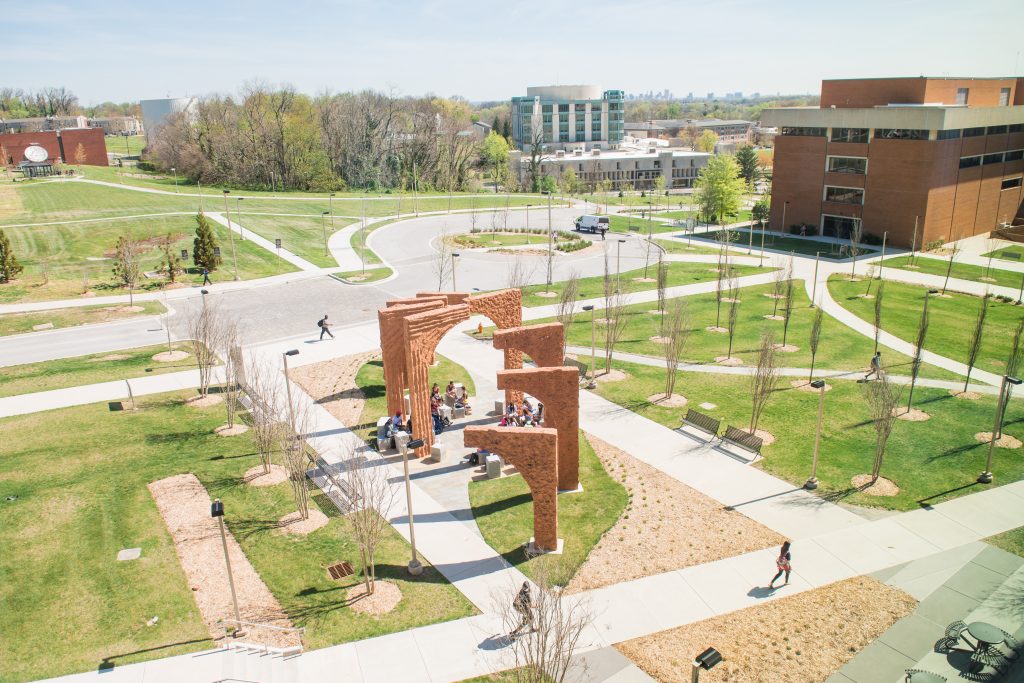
<point x="108" y="662"/>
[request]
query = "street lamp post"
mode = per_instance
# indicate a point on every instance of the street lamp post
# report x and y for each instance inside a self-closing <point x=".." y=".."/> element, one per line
<point x="217" y="510"/>
<point x="415" y="568"/>
<point x="814" y="284"/>
<point x="323" y="227"/>
<point x="238" y="212"/>
<point x="175" y="172"/>
<point x="231" y="234"/>
<point x="986" y="476"/>
<point x="551" y="243"/>
<point x="528" y="223"/>
<point x="593" y="353"/>
<point x="760" y="256"/>
<point x="812" y="481"/>
<point x="455" y="255"/>
<point x="288" y="387"/>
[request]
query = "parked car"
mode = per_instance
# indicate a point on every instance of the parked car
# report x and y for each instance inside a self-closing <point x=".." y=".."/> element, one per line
<point x="594" y="224"/>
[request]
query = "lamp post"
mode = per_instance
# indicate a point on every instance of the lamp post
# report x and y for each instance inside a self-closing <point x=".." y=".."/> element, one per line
<point x="527" y="222"/>
<point x="551" y="242"/>
<point x="415" y="568"/>
<point x="705" y="660"/>
<point x="273" y="185"/>
<point x="217" y="511"/>
<point x="175" y="172"/>
<point x="238" y="212"/>
<point x="760" y="256"/>
<point x="814" y="284"/>
<point x="330" y="207"/>
<point x="323" y="227"/>
<point x="231" y="234"/>
<point x="455" y="255"/>
<point x="288" y="387"/>
<point x="618" y="261"/>
<point x="593" y="353"/>
<point x="812" y="481"/>
<point x="986" y="476"/>
<point x="881" y="261"/>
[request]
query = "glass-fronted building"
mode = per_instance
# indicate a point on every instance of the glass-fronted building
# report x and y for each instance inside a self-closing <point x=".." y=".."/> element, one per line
<point x="568" y="117"/>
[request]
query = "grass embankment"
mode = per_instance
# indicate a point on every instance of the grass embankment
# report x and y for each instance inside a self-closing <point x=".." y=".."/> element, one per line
<point x="503" y="510"/>
<point x="1008" y="253"/>
<point x="364" y="277"/>
<point x="62" y="261"/>
<point x="301" y="235"/>
<point x="962" y="271"/>
<point x="98" y="367"/>
<point x="930" y="461"/>
<point x="130" y="145"/>
<point x="19" y="323"/>
<point x="1011" y="541"/>
<point x="70" y="606"/>
<point x="691" y="247"/>
<point x="807" y="246"/>
<point x="952" y="319"/>
<point x="679" y="273"/>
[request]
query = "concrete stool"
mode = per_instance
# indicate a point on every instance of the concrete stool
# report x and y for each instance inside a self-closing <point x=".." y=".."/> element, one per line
<point x="460" y="412"/>
<point x="499" y="407"/>
<point x="493" y="463"/>
<point x="401" y="442"/>
<point x="460" y="390"/>
<point x="437" y="452"/>
<point x="382" y="428"/>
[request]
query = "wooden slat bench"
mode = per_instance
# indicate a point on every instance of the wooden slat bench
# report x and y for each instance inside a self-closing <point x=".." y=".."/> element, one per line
<point x="704" y="423"/>
<point x="743" y="439"/>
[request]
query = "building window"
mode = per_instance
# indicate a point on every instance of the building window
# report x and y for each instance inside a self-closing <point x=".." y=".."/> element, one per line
<point x="1004" y="97"/>
<point x="844" y="195"/>
<point x="961" y="95"/>
<point x="849" y="135"/>
<point x="803" y="131"/>
<point x="970" y="162"/>
<point x="993" y="159"/>
<point x="951" y="134"/>
<point x="1016" y="128"/>
<point x="1015" y="155"/>
<point x="973" y="132"/>
<point x="996" y="130"/>
<point x="1010" y="183"/>
<point x="847" y="165"/>
<point x="901" y="134"/>
<point x="563" y="108"/>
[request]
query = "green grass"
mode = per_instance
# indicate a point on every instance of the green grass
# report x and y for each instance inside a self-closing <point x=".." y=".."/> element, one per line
<point x="98" y="367"/>
<point x="673" y="247"/>
<point x="301" y="235"/>
<point x="19" y="323"/>
<point x="679" y="273"/>
<point x="66" y="250"/>
<point x="131" y="145"/>
<point x="935" y="460"/>
<point x="359" y="277"/>
<point x="951" y="319"/>
<point x="641" y="225"/>
<point x="66" y="201"/>
<point x="485" y="240"/>
<point x="779" y="242"/>
<point x="69" y="606"/>
<point x="963" y="271"/>
<point x="1011" y="541"/>
<point x="503" y="510"/>
<point x="1014" y="253"/>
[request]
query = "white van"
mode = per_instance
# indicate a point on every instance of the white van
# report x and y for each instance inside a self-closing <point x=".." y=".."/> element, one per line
<point x="593" y="224"/>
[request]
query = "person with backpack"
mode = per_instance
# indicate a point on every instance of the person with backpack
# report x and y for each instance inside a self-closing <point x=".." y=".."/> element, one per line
<point x="875" y="367"/>
<point x="782" y="562"/>
<point x="325" y="327"/>
<point x="206" y="277"/>
<point x="523" y="605"/>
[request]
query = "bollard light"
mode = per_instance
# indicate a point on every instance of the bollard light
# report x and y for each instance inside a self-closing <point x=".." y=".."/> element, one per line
<point x="217" y="512"/>
<point x="986" y="476"/>
<point x="705" y="660"/>
<point x="812" y="481"/>
<point x="415" y="567"/>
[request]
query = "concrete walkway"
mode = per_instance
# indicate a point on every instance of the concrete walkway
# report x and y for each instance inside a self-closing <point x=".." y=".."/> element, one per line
<point x="256" y="238"/>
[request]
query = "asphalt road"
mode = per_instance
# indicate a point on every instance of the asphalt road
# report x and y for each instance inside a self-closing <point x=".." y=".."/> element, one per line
<point x="80" y="341"/>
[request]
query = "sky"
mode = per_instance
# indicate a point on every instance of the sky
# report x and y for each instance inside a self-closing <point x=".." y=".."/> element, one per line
<point x="126" y="51"/>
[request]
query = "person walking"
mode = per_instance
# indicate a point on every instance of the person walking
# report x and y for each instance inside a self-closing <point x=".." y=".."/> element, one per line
<point x="206" y="277"/>
<point x="523" y="605"/>
<point x="876" y="366"/>
<point x="325" y="327"/>
<point x="782" y="562"/>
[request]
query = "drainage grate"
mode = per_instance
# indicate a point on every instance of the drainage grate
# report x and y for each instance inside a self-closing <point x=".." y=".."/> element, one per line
<point x="340" y="570"/>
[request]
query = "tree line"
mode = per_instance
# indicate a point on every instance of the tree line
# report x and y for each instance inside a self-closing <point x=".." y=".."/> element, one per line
<point x="16" y="103"/>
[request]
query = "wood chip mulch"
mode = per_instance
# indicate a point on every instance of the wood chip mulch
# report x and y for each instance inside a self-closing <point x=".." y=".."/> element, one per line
<point x="666" y="525"/>
<point x="332" y="384"/>
<point x="798" y="639"/>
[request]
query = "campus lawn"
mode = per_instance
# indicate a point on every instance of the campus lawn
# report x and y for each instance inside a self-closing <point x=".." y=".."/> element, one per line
<point x="691" y="247"/>
<point x="952" y="319"/>
<point x="301" y="235"/>
<point x="963" y="271"/>
<point x="75" y="200"/>
<point x="98" y="367"/>
<point x="930" y="461"/>
<point x="70" y="606"/>
<point x="503" y="511"/>
<point x="1011" y="541"/>
<point x="777" y="241"/>
<point x="80" y="253"/>
<point x="131" y="145"/>
<point x="20" y="323"/>
<point x="485" y="240"/>
<point x="632" y="223"/>
<point x="1008" y="253"/>
<point x="363" y="277"/>
<point x="370" y="380"/>
<point x="679" y="273"/>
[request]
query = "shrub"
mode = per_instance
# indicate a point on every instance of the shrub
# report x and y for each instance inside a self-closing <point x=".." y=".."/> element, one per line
<point x="934" y="244"/>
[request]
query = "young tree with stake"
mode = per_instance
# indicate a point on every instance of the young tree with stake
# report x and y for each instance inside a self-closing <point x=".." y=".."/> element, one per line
<point x="815" y="337"/>
<point x="678" y="330"/>
<point x="567" y="306"/>
<point x="764" y="379"/>
<point x="856" y="232"/>
<point x="883" y="399"/>
<point x="974" y="346"/>
<point x="734" y="309"/>
<point x="919" y="339"/>
<point x="662" y="285"/>
<point x="206" y="328"/>
<point x="372" y="497"/>
<point x="233" y="370"/>
<point x="296" y="462"/>
<point x="879" y="296"/>
<point x="264" y="412"/>
<point x="954" y="249"/>
<point x="787" y="309"/>
<point x="126" y="265"/>
<point x="171" y="265"/>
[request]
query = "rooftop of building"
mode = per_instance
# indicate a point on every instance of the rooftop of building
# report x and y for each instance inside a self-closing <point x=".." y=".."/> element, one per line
<point x="620" y="154"/>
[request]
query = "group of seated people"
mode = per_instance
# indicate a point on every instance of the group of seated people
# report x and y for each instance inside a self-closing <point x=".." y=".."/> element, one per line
<point x="522" y="415"/>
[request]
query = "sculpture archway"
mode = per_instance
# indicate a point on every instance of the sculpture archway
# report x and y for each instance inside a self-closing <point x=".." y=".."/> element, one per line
<point x="392" y="346"/>
<point x="542" y="343"/>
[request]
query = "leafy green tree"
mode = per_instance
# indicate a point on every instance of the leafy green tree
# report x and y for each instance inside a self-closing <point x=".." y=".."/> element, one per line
<point x="9" y="266"/>
<point x="719" y="188"/>
<point x="548" y="184"/>
<point x="494" y="154"/>
<point x="707" y="141"/>
<point x="203" y="254"/>
<point x="762" y="209"/>
<point x="126" y="264"/>
<point x="569" y="182"/>
<point x="750" y="171"/>
<point x="172" y="262"/>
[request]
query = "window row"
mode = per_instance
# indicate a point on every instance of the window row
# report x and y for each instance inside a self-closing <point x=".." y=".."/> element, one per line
<point x="848" y="165"/>
<point x="844" y="195"/>
<point x="1010" y="183"/>
<point x="995" y="158"/>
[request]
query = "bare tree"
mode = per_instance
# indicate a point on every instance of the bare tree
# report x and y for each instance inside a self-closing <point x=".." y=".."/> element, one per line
<point x="879" y="296"/>
<point x="819" y="316"/>
<point x="371" y="496"/>
<point x="764" y="379"/>
<point x="264" y="410"/>
<point x="1016" y="346"/>
<point x="662" y="285"/>
<point x="734" y="309"/>
<point x="678" y="329"/>
<point x="474" y="217"/>
<point x="883" y="398"/>
<point x="567" y="306"/>
<point x="787" y="309"/>
<point x="615" y="324"/>
<point x="780" y="277"/>
<point x="293" y="447"/>
<point x="233" y="370"/>
<point x="721" y="280"/>
<point x="871" y="278"/>
<point x="954" y="249"/>
<point x="126" y="264"/>
<point x="206" y="327"/>
<point x="976" y="336"/>
<point x="856" y="232"/>
<point x="519" y="273"/>
<point x="991" y="244"/>
<point x="442" y="264"/>
<point x="545" y="654"/>
<point x="915" y="364"/>
<point x="495" y="221"/>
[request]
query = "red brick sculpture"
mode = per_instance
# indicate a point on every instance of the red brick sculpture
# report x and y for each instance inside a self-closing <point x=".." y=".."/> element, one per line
<point x="451" y="298"/>
<point x="542" y="343"/>
<point x="534" y="452"/>
<point x="505" y="309"/>
<point x="416" y="300"/>
<point x="393" y="348"/>
<point x="558" y="389"/>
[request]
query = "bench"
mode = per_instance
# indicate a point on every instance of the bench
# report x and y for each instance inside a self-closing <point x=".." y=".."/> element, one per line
<point x="704" y="423"/>
<point x="744" y="440"/>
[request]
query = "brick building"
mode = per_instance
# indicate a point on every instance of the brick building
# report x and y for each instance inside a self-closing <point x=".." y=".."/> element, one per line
<point x="60" y="145"/>
<point x="944" y="153"/>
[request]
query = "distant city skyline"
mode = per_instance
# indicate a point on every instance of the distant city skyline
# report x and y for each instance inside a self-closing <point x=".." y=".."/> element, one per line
<point x="121" y="51"/>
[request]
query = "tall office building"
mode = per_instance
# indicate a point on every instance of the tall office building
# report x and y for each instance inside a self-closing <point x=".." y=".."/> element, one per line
<point x="944" y="154"/>
<point x="568" y="117"/>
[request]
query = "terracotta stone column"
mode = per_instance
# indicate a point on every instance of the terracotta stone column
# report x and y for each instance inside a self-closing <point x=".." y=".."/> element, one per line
<point x="559" y="390"/>
<point x="505" y="309"/>
<point x="534" y="452"/>
<point x="392" y="346"/>
<point x="542" y="343"/>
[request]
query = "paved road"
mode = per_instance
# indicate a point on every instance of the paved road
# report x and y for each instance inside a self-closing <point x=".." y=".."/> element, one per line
<point x="79" y="341"/>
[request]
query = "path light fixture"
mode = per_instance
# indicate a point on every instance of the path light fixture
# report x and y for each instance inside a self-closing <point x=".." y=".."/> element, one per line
<point x="705" y="660"/>
<point x="618" y="260"/>
<point x="231" y="234"/>
<point x="217" y="511"/>
<point x="288" y="386"/>
<point x="527" y="221"/>
<point x="415" y="568"/>
<point x="323" y="227"/>
<point x="591" y="384"/>
<point x="455" y="255"/>
<point x="814" y="283"/>
<point x="175" y="172"/>
<point x="238" y="212"/>
<point x="812" y="481"/>
<point x="986" y="476"/>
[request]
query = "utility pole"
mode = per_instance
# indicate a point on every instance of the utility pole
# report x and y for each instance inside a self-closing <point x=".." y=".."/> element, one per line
<point x="231" y="234"/>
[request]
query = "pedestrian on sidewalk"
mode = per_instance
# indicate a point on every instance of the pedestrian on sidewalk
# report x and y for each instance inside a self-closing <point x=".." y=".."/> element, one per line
<point x="523" y="605"/>
<point x="325" y="327"/>
<point x="206" y="277"/>
<point x="782" y="562"/>
<point x="876" y="366"/>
